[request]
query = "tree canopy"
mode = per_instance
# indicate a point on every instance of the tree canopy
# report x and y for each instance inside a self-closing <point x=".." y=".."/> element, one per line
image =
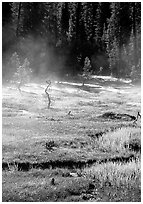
<point x="58" y="36"/>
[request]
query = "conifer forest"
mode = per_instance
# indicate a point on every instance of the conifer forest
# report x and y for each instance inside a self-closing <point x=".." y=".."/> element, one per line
<point x="58" y="36"/>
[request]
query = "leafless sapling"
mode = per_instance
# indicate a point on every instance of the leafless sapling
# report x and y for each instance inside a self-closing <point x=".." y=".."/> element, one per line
<point x="49" y="99"/>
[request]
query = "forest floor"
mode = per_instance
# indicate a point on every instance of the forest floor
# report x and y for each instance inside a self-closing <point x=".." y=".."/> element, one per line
<point x="86" y="147"/>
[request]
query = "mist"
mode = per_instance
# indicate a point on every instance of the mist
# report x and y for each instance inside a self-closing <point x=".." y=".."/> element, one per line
<point x="57" y="45"/>
<point x="43" y="60"/>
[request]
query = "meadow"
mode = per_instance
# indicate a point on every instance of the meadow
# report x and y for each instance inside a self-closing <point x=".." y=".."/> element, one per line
<point x="85" y="147"/>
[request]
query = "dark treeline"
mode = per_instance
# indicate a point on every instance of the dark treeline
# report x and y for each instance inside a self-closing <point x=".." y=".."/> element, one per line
<point x="58" y="36"/>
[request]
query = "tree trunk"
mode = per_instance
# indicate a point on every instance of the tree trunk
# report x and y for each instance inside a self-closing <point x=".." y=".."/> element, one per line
<point x="49" y="100"/>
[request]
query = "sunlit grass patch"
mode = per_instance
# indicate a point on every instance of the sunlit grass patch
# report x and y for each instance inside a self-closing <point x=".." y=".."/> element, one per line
<point x="116" y="174"/>
<point x="116" y="141"/>
<point x="40" y="144"/>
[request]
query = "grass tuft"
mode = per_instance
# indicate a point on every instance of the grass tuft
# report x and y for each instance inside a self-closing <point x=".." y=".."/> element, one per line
<point x="116" y="174"/>
<point x="115" y="141"/>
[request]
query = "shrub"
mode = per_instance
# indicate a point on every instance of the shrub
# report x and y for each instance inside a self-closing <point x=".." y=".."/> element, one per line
<point x="50" y="145"/>
<point x="134" y="145"/>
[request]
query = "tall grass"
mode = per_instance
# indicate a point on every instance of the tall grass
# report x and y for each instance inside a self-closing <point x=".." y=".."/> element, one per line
<point x="115" y="141"/>
<point x="128" y="174"/>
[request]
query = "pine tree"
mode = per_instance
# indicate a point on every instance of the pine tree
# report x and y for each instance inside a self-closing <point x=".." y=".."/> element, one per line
<point x="87" y="16"/>
<point x="136" y="39"/>
<point x="113" y="38"/>
<point x="86" y="70"/>
<point x="121" y="25"/>
<point x="72" y="21"/>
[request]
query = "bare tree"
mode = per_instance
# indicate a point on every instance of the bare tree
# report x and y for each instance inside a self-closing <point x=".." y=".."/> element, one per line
<point x="49" y="100"/>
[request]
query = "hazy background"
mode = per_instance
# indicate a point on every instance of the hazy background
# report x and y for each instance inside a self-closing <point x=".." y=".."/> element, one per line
<point x="56" y="37"/>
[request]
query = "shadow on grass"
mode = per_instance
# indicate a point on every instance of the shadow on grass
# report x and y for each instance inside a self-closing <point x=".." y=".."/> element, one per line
<point x="70" y="164"/>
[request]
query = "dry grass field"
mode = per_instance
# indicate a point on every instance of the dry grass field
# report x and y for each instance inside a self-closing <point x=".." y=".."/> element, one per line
<point x="85" y="147"/>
